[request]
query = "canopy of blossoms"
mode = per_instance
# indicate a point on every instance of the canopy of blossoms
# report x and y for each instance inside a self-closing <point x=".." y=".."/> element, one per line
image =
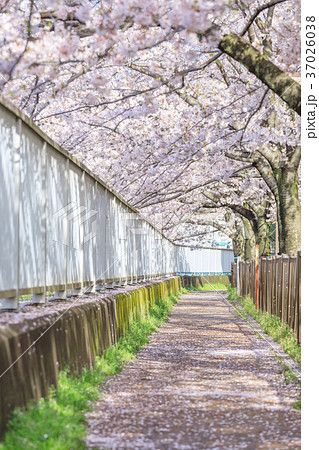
<point x="189" y="109"/>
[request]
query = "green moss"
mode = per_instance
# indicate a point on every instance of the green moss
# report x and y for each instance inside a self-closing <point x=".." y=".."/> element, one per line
<point x="278" y="175"/>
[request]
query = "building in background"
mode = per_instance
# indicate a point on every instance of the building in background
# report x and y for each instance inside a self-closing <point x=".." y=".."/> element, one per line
<point x="221" y="240"/>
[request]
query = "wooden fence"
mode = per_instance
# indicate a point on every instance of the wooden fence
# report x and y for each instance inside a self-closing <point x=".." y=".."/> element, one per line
<point x="279" y="286"/>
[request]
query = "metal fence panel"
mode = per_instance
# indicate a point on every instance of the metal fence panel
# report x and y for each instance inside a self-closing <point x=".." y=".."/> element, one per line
<point x="204" y="260"/>
<point x="9" y="202"/>
<point x="74" y="218"/>
<point x="63" y="229"/>
<point x="56" y="211"/>
<point x="31" y="211"/>
<point x="100" y="234"/>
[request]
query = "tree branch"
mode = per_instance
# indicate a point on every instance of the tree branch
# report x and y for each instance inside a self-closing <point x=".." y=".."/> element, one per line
<point x="257" y="12"/>
<point x="277" y="80"/>
<point x="191" y="100"/>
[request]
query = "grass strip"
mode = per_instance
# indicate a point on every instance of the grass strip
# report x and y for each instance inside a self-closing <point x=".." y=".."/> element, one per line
<point x="271" y="324"/>
<point x="58" y="422"/>
<point x="208" y="287"/>
<point x="274" y="327"/>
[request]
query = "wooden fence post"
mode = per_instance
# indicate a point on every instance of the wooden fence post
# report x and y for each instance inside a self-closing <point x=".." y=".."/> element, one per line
<point x="284" y="288"/>
<point x="273" y="287"/>
<point x="263" y="276"/>
<point x="278" y="287"/>
<point x="298" y="298"/>
<point x="257" y="277"/>
<point x="292" y="281"/>
<point x="238" y="278"/>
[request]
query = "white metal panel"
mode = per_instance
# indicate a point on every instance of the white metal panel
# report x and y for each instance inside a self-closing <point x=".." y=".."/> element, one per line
<point x="9" y="198"/>
<point x="153" y="269"/>
<point x="110" y="237"/>
<point x="143" y="249"/>
<point x="130" y="234"/>
<point x="90" y="234"/>
<point x="101" y="234"/>
<point x="135" y="238"/>
<point x="122" y="239"/>
<point x="57" y="209"/>
<point x="115" y="226"/>
<point x="204" y="260"/>
<point x="73" y="218"/>
<point x="150" y="251"/>
<point x="32" y="204"/>
<point x="159" y="253"/>
<point x="89" y="226"/>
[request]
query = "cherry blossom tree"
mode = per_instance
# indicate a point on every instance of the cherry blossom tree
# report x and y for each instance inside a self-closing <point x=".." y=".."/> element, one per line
<point x="168" y="101"/>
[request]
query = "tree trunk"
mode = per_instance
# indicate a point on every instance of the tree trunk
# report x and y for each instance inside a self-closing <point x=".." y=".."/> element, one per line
<point x="239" y="244"/>
<point x="250" y="241"/>
<point x="263" y="236"/>
<point x="288" y="211"/>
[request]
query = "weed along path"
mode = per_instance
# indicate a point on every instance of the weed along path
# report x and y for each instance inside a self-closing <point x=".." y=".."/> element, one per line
<point x="204" y="381"/>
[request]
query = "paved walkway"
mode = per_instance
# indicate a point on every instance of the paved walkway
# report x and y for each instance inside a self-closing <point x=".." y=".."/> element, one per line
<point x="205" y="381"/>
